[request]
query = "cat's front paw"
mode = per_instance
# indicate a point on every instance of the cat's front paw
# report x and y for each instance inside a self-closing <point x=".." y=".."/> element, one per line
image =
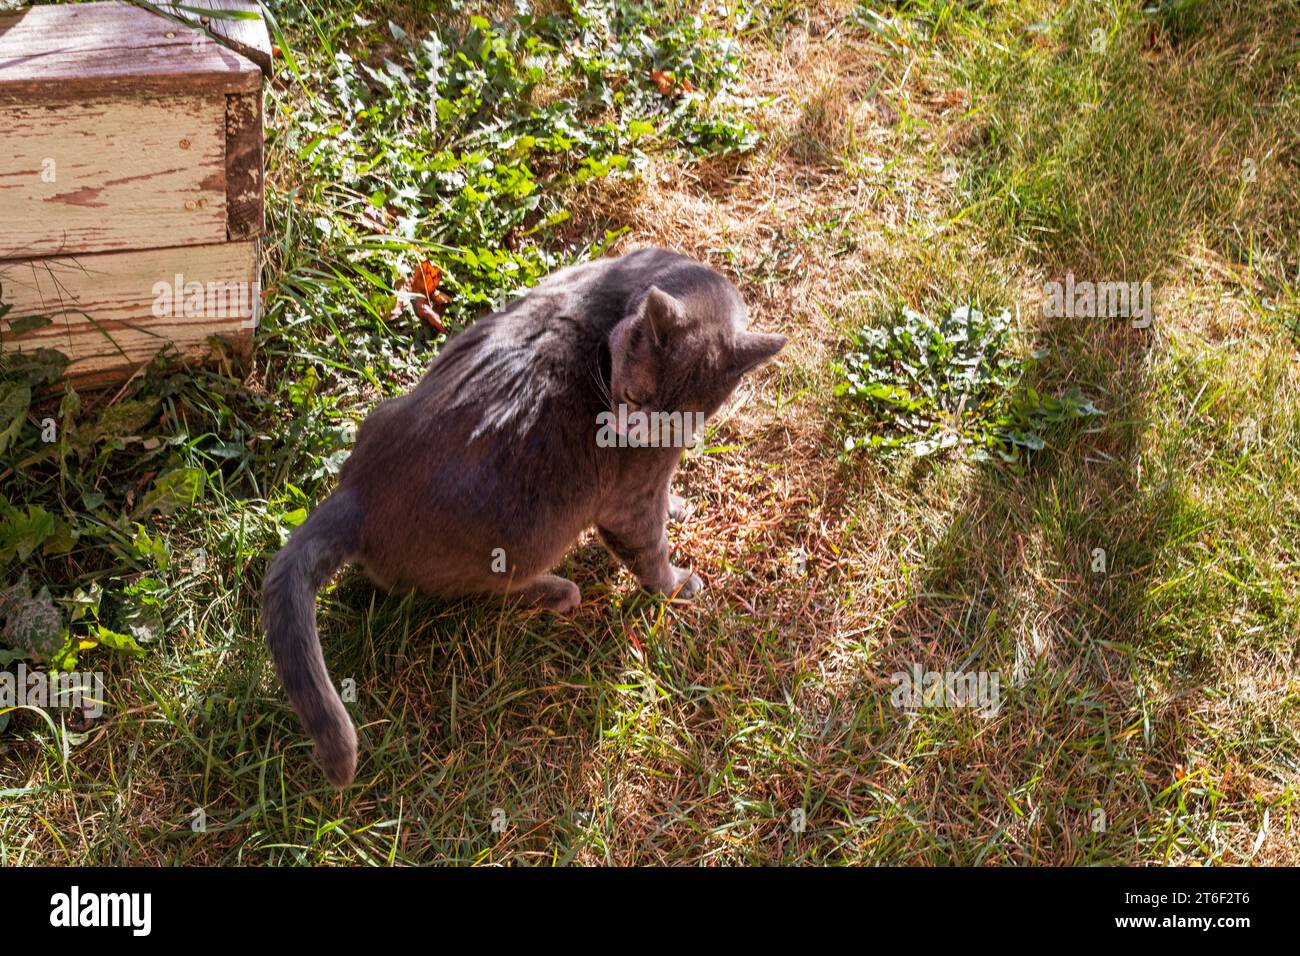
<point x="676" y="508"/>
<point x="686" y="584"/>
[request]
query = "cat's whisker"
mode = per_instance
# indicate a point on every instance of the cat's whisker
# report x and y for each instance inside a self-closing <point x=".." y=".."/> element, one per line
<point x="602" y="387"/>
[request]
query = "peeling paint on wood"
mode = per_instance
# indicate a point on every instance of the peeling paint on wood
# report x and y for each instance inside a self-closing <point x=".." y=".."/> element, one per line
<point x="91" y="49"/>
<point x="113" y="174"/>
<point x="112" y="312"/>
<point x="243" y="165"/>
<point x="131" y="186"/>
<point x="248" y="37"/>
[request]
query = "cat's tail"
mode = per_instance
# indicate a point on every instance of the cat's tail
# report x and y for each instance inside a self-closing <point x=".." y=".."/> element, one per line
<point x="316" y="549"/>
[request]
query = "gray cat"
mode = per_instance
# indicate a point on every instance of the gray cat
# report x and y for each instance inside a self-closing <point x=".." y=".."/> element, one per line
<point x="481" y="478"/>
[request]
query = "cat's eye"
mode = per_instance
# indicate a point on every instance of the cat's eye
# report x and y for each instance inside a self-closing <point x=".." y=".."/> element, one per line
<point x="633" y="398"/>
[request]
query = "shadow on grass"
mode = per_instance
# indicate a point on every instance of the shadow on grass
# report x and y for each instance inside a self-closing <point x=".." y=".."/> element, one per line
<point x="1083" y="763"/>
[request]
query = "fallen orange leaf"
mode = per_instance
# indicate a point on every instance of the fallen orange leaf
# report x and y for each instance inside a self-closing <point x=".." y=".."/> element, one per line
<point x="669" y="85"/>
<point x="425" y="283"/>
<point x="426" y="279"/>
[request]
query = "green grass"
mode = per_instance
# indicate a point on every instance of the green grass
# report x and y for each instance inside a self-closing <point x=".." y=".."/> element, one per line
<point x="842" y="162"/>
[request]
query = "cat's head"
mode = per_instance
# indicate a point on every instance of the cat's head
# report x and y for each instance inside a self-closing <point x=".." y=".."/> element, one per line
<point x="685" y="352"/>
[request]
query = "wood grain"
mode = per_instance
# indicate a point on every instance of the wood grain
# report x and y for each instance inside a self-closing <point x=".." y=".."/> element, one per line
<point x="112" y="174"/>
<point x="247" y="37"/>
<point x="70" y="52"/>
<point x="111" y="314"/>
<point x="244" y="215"/>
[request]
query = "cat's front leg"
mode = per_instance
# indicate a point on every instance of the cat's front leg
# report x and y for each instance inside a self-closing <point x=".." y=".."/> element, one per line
<point x="639" y="541"/>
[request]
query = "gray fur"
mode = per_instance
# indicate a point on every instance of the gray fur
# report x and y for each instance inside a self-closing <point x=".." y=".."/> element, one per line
<point x="496" y="448"/>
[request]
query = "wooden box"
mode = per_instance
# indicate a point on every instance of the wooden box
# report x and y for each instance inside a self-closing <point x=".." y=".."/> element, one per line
<point x="131" y="178"/>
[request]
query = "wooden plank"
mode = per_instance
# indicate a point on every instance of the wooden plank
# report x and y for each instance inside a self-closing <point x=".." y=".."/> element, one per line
<point x="244" y="139"/>
<point x="71" y="52"/>
<point x="247" y="37"/>
<point x="113" y="174"/>
<point x="113" y="312"/>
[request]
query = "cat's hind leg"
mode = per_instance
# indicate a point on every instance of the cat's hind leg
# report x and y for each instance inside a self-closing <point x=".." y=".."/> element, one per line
<point x="549" y="592"/>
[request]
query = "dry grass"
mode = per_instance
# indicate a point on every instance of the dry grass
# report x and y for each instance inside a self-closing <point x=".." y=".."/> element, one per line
<point x="951" y="565"/>
<point x="896" y="165"/>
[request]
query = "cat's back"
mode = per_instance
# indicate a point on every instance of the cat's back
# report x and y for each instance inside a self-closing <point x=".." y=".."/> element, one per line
<point x="533" y="363"/>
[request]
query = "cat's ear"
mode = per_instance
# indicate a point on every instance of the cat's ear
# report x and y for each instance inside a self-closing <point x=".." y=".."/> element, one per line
<point x="663" y="315"/>
<point x="753" y="349"/>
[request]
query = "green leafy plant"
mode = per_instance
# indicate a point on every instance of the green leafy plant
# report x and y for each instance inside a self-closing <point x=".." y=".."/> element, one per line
<point x="32" y="624"/>
<point x="467" y="142"/>
<point x="924" y="384"/>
